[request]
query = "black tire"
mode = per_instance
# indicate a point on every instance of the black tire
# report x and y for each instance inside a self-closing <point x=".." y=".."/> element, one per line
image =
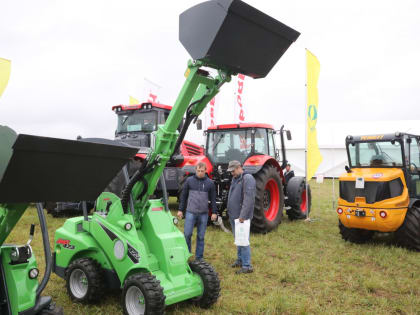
<point x="211" y="283"/>
<point x="296" y="198"/>
<point x="146" y="287"/>
<point x="84" y="270"/>
<point x="181" y="187"/>
<point x="269" y="200"/>
<point x="358" y="236"/>
<point x="408" y="235"/>
<point x="49" y="206"/>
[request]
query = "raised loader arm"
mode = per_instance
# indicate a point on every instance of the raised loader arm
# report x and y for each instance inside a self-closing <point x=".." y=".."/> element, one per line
<point x="199" y="88"/>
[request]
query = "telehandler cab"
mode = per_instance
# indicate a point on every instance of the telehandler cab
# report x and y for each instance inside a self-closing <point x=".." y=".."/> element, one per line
<point x="381" y="190"/>
<point x="132" y="243"/>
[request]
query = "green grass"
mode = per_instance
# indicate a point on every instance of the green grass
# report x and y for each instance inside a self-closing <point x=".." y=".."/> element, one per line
<point x="301" y="268"/>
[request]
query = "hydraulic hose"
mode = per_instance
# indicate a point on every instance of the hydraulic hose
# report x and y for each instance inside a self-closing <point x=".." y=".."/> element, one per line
<point x="189" y="118"/>
<point x="139" y="175"/>
<point x="47" y="250"/>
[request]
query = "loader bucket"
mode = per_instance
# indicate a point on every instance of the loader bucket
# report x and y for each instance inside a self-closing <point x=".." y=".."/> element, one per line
<point x="231" y="34"/>
<point x="49" y="169"/>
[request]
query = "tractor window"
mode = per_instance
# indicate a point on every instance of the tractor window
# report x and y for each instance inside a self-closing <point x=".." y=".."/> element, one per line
<point x="225" y="146"/>
<point x="261" y="141"/>
<point x="271" y="147"/>
<point x="375" y="154"/>
<point x="137" y="121"/>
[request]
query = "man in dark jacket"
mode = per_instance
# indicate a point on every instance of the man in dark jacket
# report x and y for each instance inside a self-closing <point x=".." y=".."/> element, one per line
<point x="240" y="206"/>
<point x="288" y="174"/>
<point x="198" y="190"/>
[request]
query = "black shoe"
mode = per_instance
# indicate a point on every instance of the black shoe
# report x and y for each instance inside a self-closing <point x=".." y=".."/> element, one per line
<point x="245" y="270"/>
<point x="236" y="265"/>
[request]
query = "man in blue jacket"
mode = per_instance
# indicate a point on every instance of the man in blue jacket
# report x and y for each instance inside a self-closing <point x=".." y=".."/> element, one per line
<point x="198" y="190"/>
<point x="240" y="206"/>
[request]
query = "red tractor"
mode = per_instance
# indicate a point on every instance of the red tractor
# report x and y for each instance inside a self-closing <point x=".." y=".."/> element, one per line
<point x="253" y="145"/>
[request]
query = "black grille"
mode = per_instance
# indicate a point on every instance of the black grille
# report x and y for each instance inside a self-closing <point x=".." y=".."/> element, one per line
<point x="373" y="191"/>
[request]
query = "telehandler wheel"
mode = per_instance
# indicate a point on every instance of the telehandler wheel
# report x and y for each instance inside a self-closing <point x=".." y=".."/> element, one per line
<point x="143" y="294"/>
<point x="84" y="280"/>
<point x="296" y="193"/>
<point x="408" y="235"/>
<point x="269" y="200"/>
<point x="211" y="283"/>
<point x="358" y="236"/>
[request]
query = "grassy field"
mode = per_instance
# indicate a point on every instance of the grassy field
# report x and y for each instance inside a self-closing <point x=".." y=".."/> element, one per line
<point x="301" y="268"/>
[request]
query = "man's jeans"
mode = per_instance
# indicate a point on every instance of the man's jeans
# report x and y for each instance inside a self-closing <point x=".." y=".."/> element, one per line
<point x="244" y="252"/>
<point x="192" y="219"/>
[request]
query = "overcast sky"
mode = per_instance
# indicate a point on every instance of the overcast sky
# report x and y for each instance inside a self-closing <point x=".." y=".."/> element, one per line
<point x="73" y="60"/>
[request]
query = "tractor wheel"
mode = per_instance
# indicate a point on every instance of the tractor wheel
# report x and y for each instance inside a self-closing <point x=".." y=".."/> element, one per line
<point x="49" y="206"/>
<point x="408" y="235"/>
<point x="181" y="187"/>
<point x="296" y="198"/>
<point x="143" y="294"/>
<point x="358" y="236"/>
<point x="211" y="283"/>
<point x="84" y="280"/>
<point x="269" y="200"/>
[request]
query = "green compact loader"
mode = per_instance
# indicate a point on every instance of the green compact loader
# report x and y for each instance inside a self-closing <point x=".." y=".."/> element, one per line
<point x="132" y="243"/>
<point x="30" y="171"/>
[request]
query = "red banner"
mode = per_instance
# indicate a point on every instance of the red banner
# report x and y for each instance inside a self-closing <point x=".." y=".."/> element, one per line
<point x="212" y="119"/>
<point x="241" y="79"/>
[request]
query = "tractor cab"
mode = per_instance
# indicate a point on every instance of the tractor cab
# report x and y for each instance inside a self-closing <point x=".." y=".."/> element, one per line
<point x="396" y="156"/>
<point x="137" y="122"/>
<point x="239" y="142"/>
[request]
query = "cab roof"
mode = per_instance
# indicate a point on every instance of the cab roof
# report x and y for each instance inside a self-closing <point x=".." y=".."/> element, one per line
<point x="241" y="126"/>
<point x="379" y="137"/>
<point x="145" y="105"/>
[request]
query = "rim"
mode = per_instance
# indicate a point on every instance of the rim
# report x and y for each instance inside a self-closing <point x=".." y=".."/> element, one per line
<point x="78" y="283"/>
<point x="271" y="200"/>
<point x="303" y="203"/>
<point x="134" y="301"/>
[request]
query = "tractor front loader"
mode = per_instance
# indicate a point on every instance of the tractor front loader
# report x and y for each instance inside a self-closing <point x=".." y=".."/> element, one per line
<point x="380" y="192"/>
<point x="132" y="243"/>
<point x="30" y="171"/>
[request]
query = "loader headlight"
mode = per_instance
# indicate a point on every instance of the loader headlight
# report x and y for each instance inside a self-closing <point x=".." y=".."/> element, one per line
<point x="176" y="221"/>
<point x="33" y="273"/>
<point x="119" y="249"/>
<point x="128" y="226"/>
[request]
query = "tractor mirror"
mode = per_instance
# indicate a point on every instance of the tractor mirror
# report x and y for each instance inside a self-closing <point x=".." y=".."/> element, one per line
<point x="233" y="35"/>
<point x="199" y="124"/>
<point x="288" y="135"/>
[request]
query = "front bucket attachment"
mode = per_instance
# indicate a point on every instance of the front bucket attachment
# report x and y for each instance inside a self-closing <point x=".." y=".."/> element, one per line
<point x="233" y="35"/>
<point x="49" y="169"/>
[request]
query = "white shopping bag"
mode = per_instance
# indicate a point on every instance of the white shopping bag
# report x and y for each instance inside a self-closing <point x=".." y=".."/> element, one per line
<point x="242" y="232"/>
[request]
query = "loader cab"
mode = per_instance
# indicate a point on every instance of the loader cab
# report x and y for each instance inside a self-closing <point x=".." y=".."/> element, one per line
<point x="239" y="142"/>
<point x="387" y="152"/>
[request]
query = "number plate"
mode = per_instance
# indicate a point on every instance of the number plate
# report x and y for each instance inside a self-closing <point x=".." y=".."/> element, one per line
<point x="360" y="213"/>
